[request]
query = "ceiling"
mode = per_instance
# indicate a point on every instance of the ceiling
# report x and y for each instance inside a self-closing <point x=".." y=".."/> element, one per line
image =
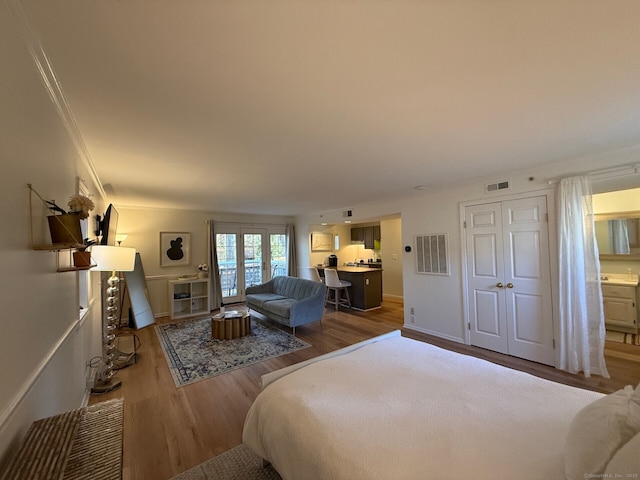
<point x="292" y="107"/>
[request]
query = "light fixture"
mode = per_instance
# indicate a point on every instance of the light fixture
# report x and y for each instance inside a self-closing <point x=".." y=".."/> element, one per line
<point x="121" y="237"/>
<point x="110" y="259"/>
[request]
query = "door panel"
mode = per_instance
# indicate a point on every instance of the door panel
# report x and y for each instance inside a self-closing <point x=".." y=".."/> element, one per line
<point x="253" y="258"/>
<point x="485" y="265"/>
<point x="530" y="317"/>
<point x="485" y="270"/>
<point x="487" y="313"/>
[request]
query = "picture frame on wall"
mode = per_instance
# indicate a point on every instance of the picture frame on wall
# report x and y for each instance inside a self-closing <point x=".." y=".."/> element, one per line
<point x="321" y="242"/>
<point x="175" y="249"/>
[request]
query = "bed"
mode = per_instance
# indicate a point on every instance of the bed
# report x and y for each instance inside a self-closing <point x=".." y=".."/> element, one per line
<point x="393" y="407"/>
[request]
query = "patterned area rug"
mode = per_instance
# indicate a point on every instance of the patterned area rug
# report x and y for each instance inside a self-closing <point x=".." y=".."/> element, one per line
<point x="193" y="355"/>
<point x="237" y="464"/>
<point x="620" y="337"/>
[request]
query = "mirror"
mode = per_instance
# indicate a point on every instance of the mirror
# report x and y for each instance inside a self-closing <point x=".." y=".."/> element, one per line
<point x="618" y="235"/>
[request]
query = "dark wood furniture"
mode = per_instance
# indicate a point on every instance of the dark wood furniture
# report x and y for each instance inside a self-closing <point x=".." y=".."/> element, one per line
<point x="365" y="292"/>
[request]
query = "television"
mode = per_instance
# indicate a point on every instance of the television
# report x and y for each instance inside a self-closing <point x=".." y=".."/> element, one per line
<point x="108" y="226"/>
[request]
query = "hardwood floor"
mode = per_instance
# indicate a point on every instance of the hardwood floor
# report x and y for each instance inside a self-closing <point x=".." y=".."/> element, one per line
<point x="169" y="430"/>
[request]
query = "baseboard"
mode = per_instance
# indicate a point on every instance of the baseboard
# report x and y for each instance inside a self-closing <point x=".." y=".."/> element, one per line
<point x="434" y="334"/>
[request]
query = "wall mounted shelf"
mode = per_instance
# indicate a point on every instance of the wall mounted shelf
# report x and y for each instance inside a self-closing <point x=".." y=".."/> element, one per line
<point x="54" y="247"/>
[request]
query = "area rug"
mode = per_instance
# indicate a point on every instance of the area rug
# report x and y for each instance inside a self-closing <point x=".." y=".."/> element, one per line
<point x="621" y="337"/>
<point x="239" y="463"/>
<point x="193" y="355"/>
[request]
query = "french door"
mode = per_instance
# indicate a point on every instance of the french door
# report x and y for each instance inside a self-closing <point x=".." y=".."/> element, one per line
<point x="248" y="256"/>
<point x="508" y="278"/>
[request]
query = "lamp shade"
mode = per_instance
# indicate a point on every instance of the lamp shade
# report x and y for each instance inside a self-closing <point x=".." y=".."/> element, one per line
<point x="110" y="258"/>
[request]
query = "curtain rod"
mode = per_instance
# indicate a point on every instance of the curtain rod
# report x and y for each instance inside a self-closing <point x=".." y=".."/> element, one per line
<point x="248" y="224"/>
<point x="605" y="173"/>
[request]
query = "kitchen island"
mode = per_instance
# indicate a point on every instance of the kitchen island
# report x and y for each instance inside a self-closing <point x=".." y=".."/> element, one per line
<point x="366" y="285"/>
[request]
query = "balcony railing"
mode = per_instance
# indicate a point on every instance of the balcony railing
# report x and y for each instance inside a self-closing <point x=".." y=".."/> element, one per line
<point x="253" y="275"/>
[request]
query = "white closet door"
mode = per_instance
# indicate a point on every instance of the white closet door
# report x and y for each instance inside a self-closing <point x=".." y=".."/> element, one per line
<point x="508" y="273"/>
<point x="485" y="273"/>
<point x="528" y="279"/>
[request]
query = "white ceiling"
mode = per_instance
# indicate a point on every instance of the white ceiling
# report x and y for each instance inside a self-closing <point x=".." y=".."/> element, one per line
<point x="289" y="107"/>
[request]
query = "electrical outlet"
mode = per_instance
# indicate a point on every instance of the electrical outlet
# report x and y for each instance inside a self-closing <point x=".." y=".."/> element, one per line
<point x="411" y="311"/>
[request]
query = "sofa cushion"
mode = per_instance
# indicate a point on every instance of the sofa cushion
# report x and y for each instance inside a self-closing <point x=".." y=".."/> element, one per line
<point x="280" y="307"/>
<point x="259" y="299"/>
<point x="296" y="288"/>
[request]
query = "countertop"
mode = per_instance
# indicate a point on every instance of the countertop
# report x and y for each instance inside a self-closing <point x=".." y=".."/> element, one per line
<point x="354" y="269"/>
<point x="620" y="279"/>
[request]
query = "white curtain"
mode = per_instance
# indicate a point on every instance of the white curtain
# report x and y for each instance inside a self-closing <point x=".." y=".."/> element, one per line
<point x="582" y="331"/>
<point x="619" y="236"/>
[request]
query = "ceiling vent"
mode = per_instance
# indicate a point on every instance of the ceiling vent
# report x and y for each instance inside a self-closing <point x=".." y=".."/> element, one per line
<point x="347" y="213"/>
<point x="496" y="186"/>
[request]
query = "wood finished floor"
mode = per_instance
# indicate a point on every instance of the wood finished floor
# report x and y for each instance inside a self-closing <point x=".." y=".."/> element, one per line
<point x="169" y="430"/>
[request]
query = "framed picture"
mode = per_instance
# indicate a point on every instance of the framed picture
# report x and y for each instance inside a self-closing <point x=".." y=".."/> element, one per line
<point x="321" y="242"/>
<point x="175" y="249"/>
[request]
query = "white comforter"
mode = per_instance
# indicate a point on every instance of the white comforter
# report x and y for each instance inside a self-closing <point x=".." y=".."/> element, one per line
<point x="403" y="409"/>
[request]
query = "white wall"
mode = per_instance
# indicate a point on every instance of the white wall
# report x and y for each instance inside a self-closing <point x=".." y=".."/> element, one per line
<point x="619" y="201"/>
<point x="143" y="227"/>
<point x="391" y="255"/>
<point x="43" y="346"/>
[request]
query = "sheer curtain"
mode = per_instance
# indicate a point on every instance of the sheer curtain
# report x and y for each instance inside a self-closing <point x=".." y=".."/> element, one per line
<point x="292" y="257"/>
<point x="215" y="288"/>
<point x="619" y="236"/>
<point x="582" y="330"/>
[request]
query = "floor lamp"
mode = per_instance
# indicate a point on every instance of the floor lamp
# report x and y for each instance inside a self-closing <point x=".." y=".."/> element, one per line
<point x="110" y="259"/>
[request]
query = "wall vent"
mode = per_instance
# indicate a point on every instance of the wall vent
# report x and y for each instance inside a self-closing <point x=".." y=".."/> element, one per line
<point x="347" y="213"/>
<point x="431" y="254"/>
<point x="496" y="186"/>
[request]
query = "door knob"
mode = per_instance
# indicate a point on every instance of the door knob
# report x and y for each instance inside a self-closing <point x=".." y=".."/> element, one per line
<point x="509" y="285"/>
<point x="499" y="285"/>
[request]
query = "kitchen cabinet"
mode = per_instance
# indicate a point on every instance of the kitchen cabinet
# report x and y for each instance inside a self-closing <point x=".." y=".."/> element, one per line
<point x="366" y="235"/>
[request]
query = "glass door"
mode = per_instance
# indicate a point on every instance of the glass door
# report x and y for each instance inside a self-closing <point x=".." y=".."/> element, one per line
<point x="278" y="254"/>
<point x="253" y="257"/>
<point x="249" y="256"/>
<point x="227" y="250"/>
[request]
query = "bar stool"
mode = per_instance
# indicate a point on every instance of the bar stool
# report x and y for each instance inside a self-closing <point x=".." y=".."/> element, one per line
<point x="314" y="275"/>
<point x="337" y="286"/>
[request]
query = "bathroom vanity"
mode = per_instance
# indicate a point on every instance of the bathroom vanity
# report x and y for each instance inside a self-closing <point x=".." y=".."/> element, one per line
<point x="620" y="299"/>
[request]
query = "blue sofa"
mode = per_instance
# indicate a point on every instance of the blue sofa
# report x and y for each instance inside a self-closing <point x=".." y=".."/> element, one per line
<point x="290" y="301"/>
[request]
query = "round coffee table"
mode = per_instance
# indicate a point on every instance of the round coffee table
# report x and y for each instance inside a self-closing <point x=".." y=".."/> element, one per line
<point x="233" y="324"/>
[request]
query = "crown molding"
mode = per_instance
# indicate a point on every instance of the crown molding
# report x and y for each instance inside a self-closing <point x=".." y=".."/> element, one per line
<point x="54" y="89"/>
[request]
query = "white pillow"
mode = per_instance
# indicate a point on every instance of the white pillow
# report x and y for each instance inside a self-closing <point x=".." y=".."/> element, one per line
<point x="626" y="461"/>
<point x="599" y="430"/>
